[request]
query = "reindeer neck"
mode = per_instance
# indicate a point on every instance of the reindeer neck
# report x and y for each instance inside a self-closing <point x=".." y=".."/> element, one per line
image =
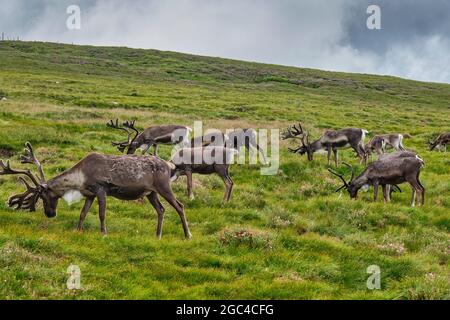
<point x="316" y="146"/>
<point x="72" y="179"/>
<point x="361" y="180"/>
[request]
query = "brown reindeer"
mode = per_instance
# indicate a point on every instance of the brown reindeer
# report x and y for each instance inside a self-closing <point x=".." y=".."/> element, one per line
<point x="330" y="141"/>
<point x="206" y="160"/>
<point x="211" y="138"/>
<point x="126" y="177"/>
<point x="442" y="141"/>
<point x="150" y="137"/>
<point x="379" y="143"/>
<point x="391" y="169"/>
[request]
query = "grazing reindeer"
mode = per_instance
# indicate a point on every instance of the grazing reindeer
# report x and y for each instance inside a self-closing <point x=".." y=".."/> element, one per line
<point x="442" y="141"/>
<point x="207" y="160"/>
<point x="215" y="138"/>
<point x="379" y="143"/>
<point x="126" y="177"/>
<point x="150" y="137"/>
<point x="236" y="140"/>
<point x="245" y="138"/>
<point x="390" y="170"/>
<point x="330" y="141"/>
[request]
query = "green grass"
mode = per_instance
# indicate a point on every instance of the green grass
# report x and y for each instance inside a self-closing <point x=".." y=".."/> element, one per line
<point x="287" y="236"/>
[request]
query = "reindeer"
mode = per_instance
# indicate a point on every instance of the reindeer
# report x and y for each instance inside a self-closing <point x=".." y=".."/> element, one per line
<point x="442" y="141"/>
<point x="330" y="141"/>
<point x="150" y="137"/>
<point x="379" y="143"/>
<point x="390" y="170"/>
<point x="235" y="139"/>
<point x="213" y="138"/>
<point x="244" y="138"/>
<point x="126" y="177"/>
<point x="204" y="160"/>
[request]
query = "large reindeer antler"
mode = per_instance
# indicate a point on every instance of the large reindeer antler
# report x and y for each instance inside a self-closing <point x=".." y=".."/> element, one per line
<point x="341" y="176"/>
<point x="297" y="132"/>
<point x="29" y="157"/>
<point x="29" y="198"/>
<point x="293" y="132"/>
<point x="127" y="126"/>
<point x="26" y="200"/>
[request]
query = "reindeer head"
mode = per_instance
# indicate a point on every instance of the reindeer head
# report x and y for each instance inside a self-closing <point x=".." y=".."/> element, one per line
<point x="350" y="186"/>
<point x="38" y="189"/>
<point x="296" y="132"/>
<point x="131" y="144"/>
<point x="433" y="144"/>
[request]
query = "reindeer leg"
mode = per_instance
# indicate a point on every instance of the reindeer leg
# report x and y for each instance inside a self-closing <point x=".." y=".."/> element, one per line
<point x="153" y="198"/>
<point x="422" y="190"/>
<point x="189" y="184"/>
<point x="222" y="171"/>
<point x="413" y="198"/>
<point x="329" y="154"/>
<point x="386" y="191"/>
<point x="357" y="149"/>
<point x="84" y="212"/>
<point x="101" y="196"/>
<point x="375" y="191"/>
<point x="335" y="152"/>
<point x="363" y="155"/>
<point x="166" y="192"/>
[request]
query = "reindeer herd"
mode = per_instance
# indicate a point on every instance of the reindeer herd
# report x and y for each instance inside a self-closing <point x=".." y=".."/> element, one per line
<point x="389" y="170"/>
<point x="132" y="177"/>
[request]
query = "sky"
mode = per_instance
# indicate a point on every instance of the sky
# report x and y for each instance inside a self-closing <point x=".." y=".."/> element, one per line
<point x="413" y="42"/>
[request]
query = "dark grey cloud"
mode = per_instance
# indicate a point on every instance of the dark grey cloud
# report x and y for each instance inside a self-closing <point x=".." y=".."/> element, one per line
<point x="414" y="41"/>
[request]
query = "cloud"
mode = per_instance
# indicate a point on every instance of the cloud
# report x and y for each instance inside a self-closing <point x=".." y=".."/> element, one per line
<point x="332" y="35"/>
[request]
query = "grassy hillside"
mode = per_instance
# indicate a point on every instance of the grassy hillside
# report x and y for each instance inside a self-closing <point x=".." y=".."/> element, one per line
<point x="302" y="240"/>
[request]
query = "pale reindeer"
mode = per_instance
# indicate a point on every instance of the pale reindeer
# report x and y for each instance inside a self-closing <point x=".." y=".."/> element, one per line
<point x="389" y="170"/>
<point x="379" y="143"/>
<point x="126" y="177"/>
<point x="236" y="139"/>
<point x="329" y="142"/>
<point x="204" y="160"/>
<point x="150" y="137"/>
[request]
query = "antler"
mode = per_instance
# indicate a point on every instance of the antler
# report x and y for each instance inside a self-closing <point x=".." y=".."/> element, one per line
<point x="6" y="170"/>
<point x="293" y="132"/>
<point x="126" y="126"/>
<point x="29" y="157"/>
<point x="304" y="137"/>
<point x="352" y="170"/>
<point x="130" y="125"/>
<point x="28" y="199"/>
<point x="341" y="177"/>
